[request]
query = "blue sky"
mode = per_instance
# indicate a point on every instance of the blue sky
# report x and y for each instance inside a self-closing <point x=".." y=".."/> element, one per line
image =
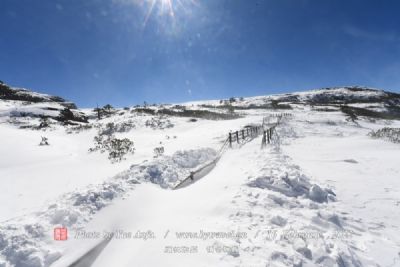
<point x="102" y="51"/>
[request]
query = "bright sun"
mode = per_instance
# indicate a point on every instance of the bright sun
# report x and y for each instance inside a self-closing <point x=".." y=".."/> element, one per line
<point x="167" y="7"/>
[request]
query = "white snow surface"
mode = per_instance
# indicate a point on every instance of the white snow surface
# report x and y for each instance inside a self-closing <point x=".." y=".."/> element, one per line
<point x="323" y="193"/>
<point x="23" y="240"/>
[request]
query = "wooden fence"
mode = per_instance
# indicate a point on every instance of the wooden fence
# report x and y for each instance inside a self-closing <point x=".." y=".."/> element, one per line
<point x="245" y="134"/>
<point x="242" y="136"/>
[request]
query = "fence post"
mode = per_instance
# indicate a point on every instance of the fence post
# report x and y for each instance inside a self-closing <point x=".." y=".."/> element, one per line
<point x="264" y="140"/>
<point x="230" y="140"/>
<point x="237" y="136"/>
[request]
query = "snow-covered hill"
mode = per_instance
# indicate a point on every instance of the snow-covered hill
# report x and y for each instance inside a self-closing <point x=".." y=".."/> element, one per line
<point x="324" y="192"/>
<point x="17" y="103"/>
<point x="25" y="95"/>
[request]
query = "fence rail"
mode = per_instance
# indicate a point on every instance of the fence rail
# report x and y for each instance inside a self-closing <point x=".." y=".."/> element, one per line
<point x="244" y="135"/>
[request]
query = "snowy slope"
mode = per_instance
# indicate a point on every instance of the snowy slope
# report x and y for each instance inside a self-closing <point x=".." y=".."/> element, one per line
<point x="323" y="193"/>
<point x="21" y="94"/>
<point x="19" y="105"/>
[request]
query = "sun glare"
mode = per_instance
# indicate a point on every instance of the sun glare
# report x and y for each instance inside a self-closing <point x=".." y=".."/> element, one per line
<point x="166" y="7"/>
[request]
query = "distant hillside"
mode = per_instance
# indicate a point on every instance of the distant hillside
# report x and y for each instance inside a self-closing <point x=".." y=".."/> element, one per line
<point x="21" y="94"/>
<point x="343" y="95"/>
<point x="23" y="103"/>
<point x="352" y="100"/>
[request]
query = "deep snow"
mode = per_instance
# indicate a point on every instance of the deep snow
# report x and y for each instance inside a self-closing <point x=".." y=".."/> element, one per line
<point x="323" y="193"/>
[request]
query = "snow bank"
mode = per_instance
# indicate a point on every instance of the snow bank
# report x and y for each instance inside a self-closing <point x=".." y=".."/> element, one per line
<point x="292" y="183"/>
<point x="26" y="241"/>
<point x="169" y="170"/>
<point x="293" y="187"/>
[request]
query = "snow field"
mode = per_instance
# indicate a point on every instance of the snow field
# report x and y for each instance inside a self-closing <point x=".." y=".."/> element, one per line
<point x="25" y="241"/>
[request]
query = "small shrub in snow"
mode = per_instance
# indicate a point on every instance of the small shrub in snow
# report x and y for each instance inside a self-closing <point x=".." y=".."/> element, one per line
<point x="159" y="122"/>
<point x="44" y="142"/>
<point x="79" y="128"/>
<point x="231" y="109"/>
<point x="158" y="151"/>
<point x="44" y="122"/>
<point x="390" y="134"/>
<point x="15" y="121"/>
<point x="117" y="148"/>
<point x="111" y="127"/>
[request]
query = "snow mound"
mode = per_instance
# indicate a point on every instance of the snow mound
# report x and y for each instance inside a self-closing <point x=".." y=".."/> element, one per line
<point x="294" y="187"/>
<point x="292" y="183"/>
<point x="169" y="170"/>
